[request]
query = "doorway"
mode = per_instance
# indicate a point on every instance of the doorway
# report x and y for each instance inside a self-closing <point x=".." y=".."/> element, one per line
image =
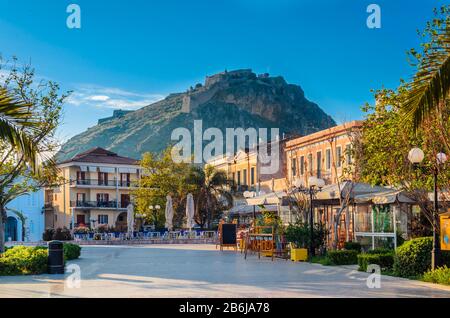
<point x="11" y="229"/>
<point x="121" y="223"/>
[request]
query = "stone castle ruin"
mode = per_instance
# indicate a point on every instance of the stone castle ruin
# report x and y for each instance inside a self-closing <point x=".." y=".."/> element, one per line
<point x="203" y="93"/>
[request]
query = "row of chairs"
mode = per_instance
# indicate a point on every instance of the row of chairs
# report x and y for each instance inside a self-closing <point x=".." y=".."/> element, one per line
<point x="167" y="235"/>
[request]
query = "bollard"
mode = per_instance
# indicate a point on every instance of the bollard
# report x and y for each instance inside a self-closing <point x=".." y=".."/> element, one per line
<point x="55" y="257"/>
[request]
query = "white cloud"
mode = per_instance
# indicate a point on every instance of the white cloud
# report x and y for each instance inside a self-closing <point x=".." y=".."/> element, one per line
<point x="110" y="97"/>
<point x="99" y="98"/>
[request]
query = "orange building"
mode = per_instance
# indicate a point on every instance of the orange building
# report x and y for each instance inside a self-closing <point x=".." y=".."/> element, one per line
<point x="326" y="154"/>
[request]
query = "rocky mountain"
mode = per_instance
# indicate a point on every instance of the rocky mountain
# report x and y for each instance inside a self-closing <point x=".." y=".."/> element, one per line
<point x="226" y="100"/>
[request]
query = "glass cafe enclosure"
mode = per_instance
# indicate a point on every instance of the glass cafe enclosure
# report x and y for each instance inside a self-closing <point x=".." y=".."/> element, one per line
<point x="379" y="217"/>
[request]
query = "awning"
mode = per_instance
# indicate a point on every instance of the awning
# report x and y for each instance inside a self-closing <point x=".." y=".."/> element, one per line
<point x="272" y="198"/>
<point x="386" y="197"/>
<point x="248" y="209"/>
<point x="84" y="168"/>
<point x="107" y="169"/>
<point x="92" y="168"/>
<point x="127" y="170"/>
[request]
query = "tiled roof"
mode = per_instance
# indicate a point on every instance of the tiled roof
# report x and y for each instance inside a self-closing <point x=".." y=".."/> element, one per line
<point x="100" y="155"/>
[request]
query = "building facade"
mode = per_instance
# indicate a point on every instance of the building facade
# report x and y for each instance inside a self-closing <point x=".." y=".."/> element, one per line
<point x="96" y="191"/>
<point x="244" y="170"/>
<point x="326" y="154"/>
<point x="30" y="227"/>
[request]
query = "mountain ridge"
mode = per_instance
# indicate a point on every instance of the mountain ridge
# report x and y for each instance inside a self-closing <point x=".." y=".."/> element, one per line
<point x="226" y="100"/>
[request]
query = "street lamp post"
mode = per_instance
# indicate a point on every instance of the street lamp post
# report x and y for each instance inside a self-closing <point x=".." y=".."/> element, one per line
<point x="251" y="194"/>
<point x="416" y="156"/>
<point x="315" y="185"/>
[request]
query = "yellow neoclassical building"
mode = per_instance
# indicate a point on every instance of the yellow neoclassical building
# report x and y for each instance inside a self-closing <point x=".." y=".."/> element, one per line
<point x="96" y="190"/>
<point x="244" y="171"/>
<point x="325" y="154"/>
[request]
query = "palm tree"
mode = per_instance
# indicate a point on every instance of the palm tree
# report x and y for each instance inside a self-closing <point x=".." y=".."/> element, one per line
<point x="430" y="86"/>
<point x="16" y="120"/>
<point x="212" y="195"/>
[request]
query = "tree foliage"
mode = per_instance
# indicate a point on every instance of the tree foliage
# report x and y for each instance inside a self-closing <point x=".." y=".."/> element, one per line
<point x="211" y="196"/>
<point x="38" y="106"/>
<point x="162" y="176"/>
<point x="392" y="129"/>
<point x="429" y="89"/>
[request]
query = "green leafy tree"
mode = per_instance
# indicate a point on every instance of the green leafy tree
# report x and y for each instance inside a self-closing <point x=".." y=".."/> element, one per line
<point x="416" y="114"/>
<point x="385" y="143"/>
<point x="26" y="168"/>
<point x="161" y="176"/>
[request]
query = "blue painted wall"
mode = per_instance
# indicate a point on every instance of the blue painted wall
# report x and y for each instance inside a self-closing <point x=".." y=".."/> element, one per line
<point x="31" y="205"/>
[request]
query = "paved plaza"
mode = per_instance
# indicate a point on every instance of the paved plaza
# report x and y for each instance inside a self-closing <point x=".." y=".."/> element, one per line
<point x="202" y="271"/>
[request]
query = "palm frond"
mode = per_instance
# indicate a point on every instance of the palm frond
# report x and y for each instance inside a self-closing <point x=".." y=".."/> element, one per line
<point x="429" y="88"/>
<point x="14" y="117"/>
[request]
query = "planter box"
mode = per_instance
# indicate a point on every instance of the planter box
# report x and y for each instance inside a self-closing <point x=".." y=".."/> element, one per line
<point x="299" y="254"/>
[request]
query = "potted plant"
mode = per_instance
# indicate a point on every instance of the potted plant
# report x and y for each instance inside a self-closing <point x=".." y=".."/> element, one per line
<point x="298" y="237"/>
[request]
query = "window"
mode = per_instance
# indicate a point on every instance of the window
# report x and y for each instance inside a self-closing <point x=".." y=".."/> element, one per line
<point x="310" y="164"/>
<point x="103" y="178"/>
<point x="238" y="178"/>
<point x="338" y="156"/>
<point x="124" y="179"/>
<point x="102" y="219"/>
<point x="302" y="165"/>
<point x="319" y="163"/>
<point x="81" y="219"/>
<point x="102" y="197"/>
<point x="81" y="176"/>
<point x="252" y="176"/>
<point x="233" y="177"/>
<point x="245" y="176"/>
<point x="328" y="159"/>
<point x="81" y="197"/>
<point x="294" y="166"/>
<point x="348" y="154"/>
<point x="125" y="200"/>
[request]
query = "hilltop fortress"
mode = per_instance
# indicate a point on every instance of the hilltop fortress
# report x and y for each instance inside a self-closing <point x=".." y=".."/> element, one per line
<point x="203" y="93"/>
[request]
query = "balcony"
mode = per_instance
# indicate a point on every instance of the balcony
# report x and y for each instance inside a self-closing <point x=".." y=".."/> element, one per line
<point x="98" y="204"/>
<point x="101" y="183"/>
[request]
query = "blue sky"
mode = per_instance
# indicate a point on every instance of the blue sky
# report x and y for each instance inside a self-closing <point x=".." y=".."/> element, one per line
<point x="130" y="53"/>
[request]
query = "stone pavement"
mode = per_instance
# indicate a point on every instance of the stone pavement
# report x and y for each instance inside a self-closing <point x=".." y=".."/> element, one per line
<point x="202" y="271"/>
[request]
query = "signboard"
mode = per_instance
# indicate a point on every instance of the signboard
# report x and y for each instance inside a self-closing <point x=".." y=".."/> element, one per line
<point x="445" y="232"/>
<point x="228" y="235"/>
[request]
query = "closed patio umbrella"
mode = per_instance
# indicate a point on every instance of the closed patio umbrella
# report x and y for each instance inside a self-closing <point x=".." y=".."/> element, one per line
<point x="130" y="218"/>
<point x="169" y="213"/>
<point x="190" y="211"/>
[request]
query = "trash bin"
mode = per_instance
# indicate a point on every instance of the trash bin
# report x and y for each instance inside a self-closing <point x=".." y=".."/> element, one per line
<point x="55" y="257"/>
